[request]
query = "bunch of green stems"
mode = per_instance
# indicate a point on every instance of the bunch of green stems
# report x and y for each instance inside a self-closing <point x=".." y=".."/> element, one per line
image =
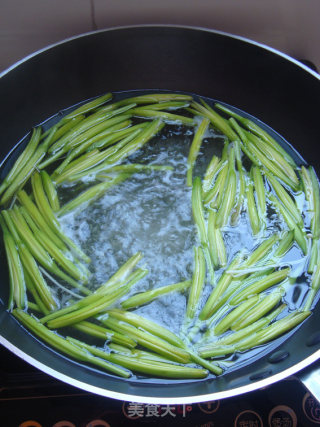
<point x="271" y="182"/>
<point x="245" y="305"/>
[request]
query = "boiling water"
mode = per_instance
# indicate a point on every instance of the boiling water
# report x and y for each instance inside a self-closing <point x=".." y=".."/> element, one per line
<point x="151" y="212"/>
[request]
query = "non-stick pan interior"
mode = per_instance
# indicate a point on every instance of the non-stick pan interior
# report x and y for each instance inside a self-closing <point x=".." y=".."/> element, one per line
<point x="245" y="75"/>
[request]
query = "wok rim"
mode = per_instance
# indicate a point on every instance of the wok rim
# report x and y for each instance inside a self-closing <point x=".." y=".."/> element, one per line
<point x="256" y="385"/>
<point x="162" y="400"/>
<point x="187" y="27"/>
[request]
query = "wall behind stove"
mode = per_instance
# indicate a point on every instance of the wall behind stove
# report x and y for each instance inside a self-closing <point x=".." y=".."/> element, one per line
<point x="291" y="26"/>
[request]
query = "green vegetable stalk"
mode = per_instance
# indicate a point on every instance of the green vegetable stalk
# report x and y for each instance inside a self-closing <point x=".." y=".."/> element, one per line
<point x="252" y="181"/>
<point x="195" y="148"/>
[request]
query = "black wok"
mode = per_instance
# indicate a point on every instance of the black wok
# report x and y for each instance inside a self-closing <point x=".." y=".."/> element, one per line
<point x="259" y="80"/>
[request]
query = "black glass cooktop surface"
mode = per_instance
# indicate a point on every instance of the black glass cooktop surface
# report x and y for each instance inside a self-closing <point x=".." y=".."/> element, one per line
<point x="30" y="398"/>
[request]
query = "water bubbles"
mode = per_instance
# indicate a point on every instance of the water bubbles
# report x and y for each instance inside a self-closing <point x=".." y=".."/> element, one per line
<point x="150" y="212"/>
